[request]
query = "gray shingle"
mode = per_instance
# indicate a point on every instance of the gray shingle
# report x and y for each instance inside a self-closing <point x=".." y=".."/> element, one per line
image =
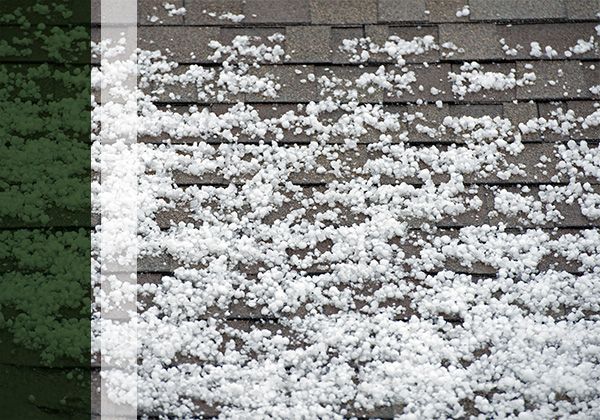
<point x="582" y="9"/>
<point x="149" y="8"/>
<point x="477" y="41"/>
<point x="350" y="75"/>
<point x="277" y="11"/>
<point x="178" y="92"/>
<point x="179" y="43"/>
<point x="343" y="11"/>
<point x="476" y="110"/>
<point x="207" y="12"/>
<point x="548" y="110"/>
<point x="583" y="109"/>
<point x="555" y="80"/>
<point x="478" y="267"/>
<point x="378" y="412"/>
<point x="516" y="9"/>
<point x="308" y="43"/>
<point x="520" y="112"/>
<point x="571" y="213"/>
<point x="401" y="11"/>
<point x="427" y="115"/>
<point x="95" y="12"/>
<point x="338" y="35"/>
<point x="261" y="34"/>
<point x="490" y="95"/>
<point x="163" y="263"/>
<point x="379" y="34"/>
<point x="474" y="216"/>
<point x="410" y="32"/>
<point x="433" y="76"/>
<point x="257" y="35"/>
<point x="292" y="88"/>
<point x="445" y="10"/>
<point x="528" y="159"/>
<point x="172" y="93"/>
<point x="559" y="36"/>
<point x="471" y="217"/>
<point x="591" y="73"/>
<point x="265" y="111"/>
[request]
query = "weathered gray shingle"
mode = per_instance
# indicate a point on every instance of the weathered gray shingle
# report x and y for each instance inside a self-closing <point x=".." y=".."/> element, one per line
<point x="560" y="36"/>
<point x="520" y="111"/>
<point x="476" y="41"/>
<point x="555" y="80"/>
<point x="153" y="12"/>
<point x="379" y="34"/>
<point x="208" y="12"/>
<point x="338" y="35"/>
<point x="343" y="11"/>
<point x="409" y="32"/>
<point x="582" y="9"/>
<point x="434" y="76"/>
<point x="571" y="213"/>
<point x="276" y="11"/>
<point x="476" y="110"/>
<point x="490" y="95"/>
<point x="445" y="10"/>
<point x="392" y="11"/>
<point x="308" y="43"/>
<point x="549" y="110"/>
<point x="349" y="75"/>
<point x="179" y="43"/>
<point x="516" y="9"/>
<point x="292" y="88"/>
<point x="585" y="108"/>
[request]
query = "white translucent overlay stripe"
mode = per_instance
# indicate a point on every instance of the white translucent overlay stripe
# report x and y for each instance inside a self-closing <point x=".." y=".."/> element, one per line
<point x="118" y="203"/>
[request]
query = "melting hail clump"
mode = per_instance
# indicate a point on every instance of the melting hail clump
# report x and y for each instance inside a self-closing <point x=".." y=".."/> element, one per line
<point x="331" y="258"/>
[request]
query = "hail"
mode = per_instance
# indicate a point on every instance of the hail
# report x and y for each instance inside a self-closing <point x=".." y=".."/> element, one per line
<point x="378" y="282"/>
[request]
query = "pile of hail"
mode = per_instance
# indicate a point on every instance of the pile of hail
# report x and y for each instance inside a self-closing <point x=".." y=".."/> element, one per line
<point x="339" y="257"/>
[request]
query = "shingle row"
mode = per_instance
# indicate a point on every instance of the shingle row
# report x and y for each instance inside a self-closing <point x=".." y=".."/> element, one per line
<point x="321" y="43"/>
<point x="349" y="12"/>
<point x="555" y="80"/>
<point x="430" y="116"/>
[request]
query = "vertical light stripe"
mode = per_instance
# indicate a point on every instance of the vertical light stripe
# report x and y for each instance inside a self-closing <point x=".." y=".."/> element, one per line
<point x="118" y="199"/>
